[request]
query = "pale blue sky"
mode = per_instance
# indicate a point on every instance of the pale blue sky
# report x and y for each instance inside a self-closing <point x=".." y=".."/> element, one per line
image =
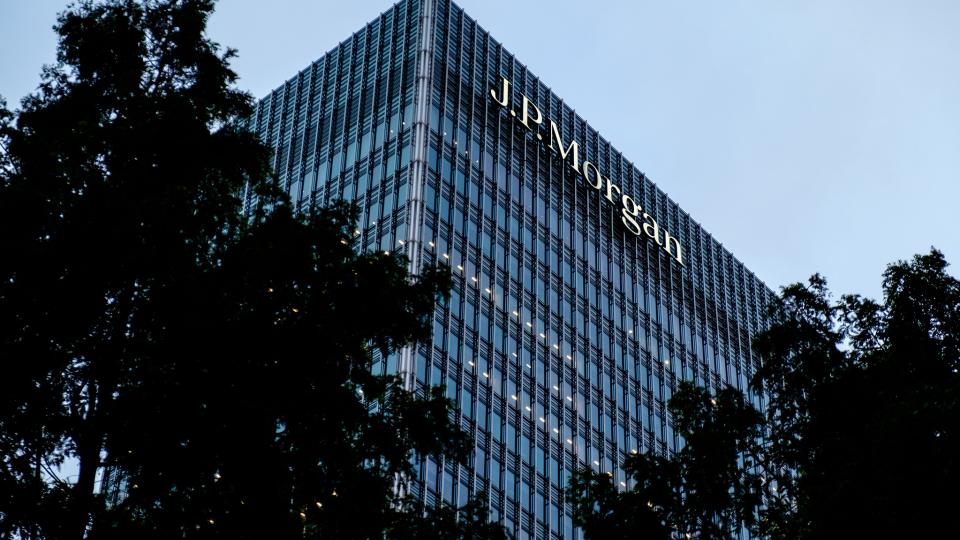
<point x="806" y="135"/>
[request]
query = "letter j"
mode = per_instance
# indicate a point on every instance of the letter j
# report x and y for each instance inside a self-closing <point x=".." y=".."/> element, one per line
<point x="504" y="100"/>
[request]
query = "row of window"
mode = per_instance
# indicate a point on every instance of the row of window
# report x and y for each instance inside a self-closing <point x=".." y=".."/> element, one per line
<point x="562" y="341"/>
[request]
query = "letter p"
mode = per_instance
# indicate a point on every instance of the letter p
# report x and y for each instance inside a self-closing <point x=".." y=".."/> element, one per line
<point x="525" y="118"/>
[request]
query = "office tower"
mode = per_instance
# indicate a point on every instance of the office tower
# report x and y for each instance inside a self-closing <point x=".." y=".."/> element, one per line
<point x="582" y="293"/>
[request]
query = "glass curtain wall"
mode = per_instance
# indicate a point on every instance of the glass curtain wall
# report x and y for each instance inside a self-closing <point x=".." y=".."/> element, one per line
<point x="565" y="334"/>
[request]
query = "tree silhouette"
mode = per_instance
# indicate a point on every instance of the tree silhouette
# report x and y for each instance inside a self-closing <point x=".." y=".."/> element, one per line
<point x="702" y="491"/>
<point x="216" y="367"/>
<point x="864" y="408"/>
<point x="860" y="435"/>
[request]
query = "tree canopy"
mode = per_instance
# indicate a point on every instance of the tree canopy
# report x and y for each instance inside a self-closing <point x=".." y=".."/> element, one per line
<point x="217" y="366"/>
<point x="702" y="491"/>
<point x="864" y="407"/>
<point x="860" y="436"/>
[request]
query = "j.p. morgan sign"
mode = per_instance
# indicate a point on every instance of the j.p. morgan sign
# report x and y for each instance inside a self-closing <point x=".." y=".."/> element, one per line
<point x="638" y="222"/>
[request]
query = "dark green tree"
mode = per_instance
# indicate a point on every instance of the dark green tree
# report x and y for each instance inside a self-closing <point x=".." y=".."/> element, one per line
<point x="217" y="367"/>
<point x="120" y="178"/>
<point x="861" y="435"/>
<point x="864" y="410"/>
<point x="707" y="490"/>
<point x="291" y="434"/>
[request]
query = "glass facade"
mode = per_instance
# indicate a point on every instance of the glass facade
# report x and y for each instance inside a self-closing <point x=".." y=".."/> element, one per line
<point x="565" y="333"/>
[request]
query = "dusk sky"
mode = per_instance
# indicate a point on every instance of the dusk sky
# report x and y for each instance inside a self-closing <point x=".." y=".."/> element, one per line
<point x="805" y="135"/>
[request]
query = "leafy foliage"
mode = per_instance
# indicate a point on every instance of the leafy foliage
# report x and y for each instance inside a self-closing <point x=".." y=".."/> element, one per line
<point x="290" y="433"/>
<point x="218" y="367"/>
<point x="864" y="408"/>
<point x="701" y="491"/>
<point x="116" y="186"/>
<point x="860" y="436"/>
